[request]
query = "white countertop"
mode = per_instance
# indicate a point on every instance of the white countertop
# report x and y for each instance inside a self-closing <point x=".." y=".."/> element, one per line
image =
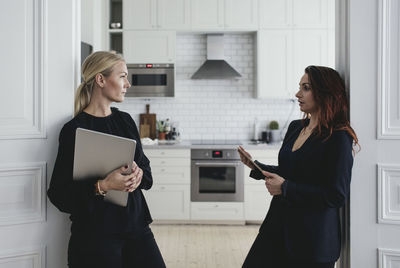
<point x="187" y="144"/>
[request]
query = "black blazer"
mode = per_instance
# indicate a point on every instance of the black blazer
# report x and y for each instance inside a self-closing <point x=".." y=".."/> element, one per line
<point x="317" y="182"/>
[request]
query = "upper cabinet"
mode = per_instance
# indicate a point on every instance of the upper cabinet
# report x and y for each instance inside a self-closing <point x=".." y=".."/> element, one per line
<point x="274" y="64"/>
<point x="294" y="14"/>
<point x="156" y="14"/>
<point x="173" y="14"/>
<point x="310" y="13"/>
<point x="241" y="14"/>
<point x="224" y="14"/>
<point x="207" y="14"/>
<point x="283" y="56"/>
<point x="275" y="14"/>
<point x="139" y="14"/>
<point x="149" y="46"/>
<point x="186" y="15"/>
<point x="293" y="34"/>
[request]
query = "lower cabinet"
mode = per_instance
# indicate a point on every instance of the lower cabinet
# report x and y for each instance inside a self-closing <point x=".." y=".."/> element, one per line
<point x="256" y="196"/>
<point x="169" y="201"/>
<point x="256" y="202"/>
<point x="217" y="211"/>
<point x="169" y="198"/>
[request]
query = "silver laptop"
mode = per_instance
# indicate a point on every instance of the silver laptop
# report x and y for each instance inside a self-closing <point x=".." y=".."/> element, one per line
<point x="97" y="154"/>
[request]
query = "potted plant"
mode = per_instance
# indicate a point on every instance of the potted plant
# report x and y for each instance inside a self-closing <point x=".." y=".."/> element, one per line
<point x="275" y="131"/>
<point x="161" y="129"/>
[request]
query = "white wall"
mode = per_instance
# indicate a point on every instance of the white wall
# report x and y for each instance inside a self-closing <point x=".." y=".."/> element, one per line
<point x="371" y="230"/>
<point x="215" y="109"/>
<point x="93" y="22"/>
<point x="38" y="74"/>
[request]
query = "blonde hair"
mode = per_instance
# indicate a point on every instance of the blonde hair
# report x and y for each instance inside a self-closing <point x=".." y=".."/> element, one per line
<point x="97" y="62"/>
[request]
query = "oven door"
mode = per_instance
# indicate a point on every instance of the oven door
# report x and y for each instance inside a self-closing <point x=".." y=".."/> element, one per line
<point x="217" y="181"/>
<point x="157" y="82"/>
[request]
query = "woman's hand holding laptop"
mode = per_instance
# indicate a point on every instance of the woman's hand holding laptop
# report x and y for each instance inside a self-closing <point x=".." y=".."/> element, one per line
<point x="123" y="179"/>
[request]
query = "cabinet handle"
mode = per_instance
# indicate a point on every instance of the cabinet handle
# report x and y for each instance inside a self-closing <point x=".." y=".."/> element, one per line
<point x="216" y="206"/>
<point x="162" y="187"/>
<point x="162" y="153"/>
<point x="162" y="162"/>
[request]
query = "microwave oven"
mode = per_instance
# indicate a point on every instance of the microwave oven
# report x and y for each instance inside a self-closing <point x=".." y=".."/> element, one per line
<point x="151" y="80"/>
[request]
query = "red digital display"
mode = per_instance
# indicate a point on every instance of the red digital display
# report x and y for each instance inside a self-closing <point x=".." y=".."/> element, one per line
<point x="217" y="154"/>
<point x="149" y="65"/>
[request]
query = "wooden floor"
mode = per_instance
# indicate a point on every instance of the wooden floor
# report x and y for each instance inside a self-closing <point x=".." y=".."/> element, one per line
<point x="208" y="246"/>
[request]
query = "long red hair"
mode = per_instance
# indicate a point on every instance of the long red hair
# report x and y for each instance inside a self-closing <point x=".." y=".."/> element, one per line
<point x="330" y="95"/>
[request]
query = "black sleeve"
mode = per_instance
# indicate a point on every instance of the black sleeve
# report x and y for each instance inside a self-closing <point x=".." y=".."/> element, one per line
<point x="65" y="193"/>
<point x="255" y="173"/>
<point x="339" y="162"/>
<point x="140" y="158"/>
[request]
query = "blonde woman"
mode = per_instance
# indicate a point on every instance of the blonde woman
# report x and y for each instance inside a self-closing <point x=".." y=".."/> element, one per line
<point x="104" y="234"/>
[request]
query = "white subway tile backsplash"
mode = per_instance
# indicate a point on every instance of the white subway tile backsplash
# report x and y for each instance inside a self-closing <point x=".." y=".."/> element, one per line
<point x="214" y="109"/>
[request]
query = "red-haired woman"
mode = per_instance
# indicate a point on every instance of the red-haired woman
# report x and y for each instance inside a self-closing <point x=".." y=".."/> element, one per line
<point x="311" y="181"/>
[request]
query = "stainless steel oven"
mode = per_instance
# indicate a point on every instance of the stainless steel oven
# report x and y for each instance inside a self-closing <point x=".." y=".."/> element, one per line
<point x="151" y="80"/>
<point x="216" y="175"/>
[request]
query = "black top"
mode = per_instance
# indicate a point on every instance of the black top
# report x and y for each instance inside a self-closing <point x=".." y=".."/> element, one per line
<point x="89" y="211"/>
<point x="317" y="183"/>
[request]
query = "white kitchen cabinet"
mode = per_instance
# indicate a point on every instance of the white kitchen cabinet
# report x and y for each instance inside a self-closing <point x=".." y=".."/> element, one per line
<point x="256" y="197"/>
<point x="173" y="14"/>
<point x="207" y="14"/>
<point x="169" y="201"/>
<point x="257" y="201"/>
<point x="170" y="166"/>
<point x="139" y="14"/>
<point x="283" y="56"/>
<point x="169" y="198"/>
<point x="294" y="13"/>
<point x="274" y="64"/>
<point x="170" y="170"/>
<point x="156" y="14"/>
<point x="275" y="14"/>
<point x="162" y="153"/>
<point x="149" y="46"/>
<point x="310" y="13"/>
<point x="293" y="34"/>
<point x="241" y="14"/>
<point x="267" y="157"/>
<point x="310" y="47"/>
<point x="217" y="211"/>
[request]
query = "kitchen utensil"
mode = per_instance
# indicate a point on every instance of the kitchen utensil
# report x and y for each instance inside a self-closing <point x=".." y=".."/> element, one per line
<point x="144" y="130"/>
<point x="149" y="119"/>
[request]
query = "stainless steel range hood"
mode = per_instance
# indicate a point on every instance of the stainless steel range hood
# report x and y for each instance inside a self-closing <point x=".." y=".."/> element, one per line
<point x="215" y="67"/>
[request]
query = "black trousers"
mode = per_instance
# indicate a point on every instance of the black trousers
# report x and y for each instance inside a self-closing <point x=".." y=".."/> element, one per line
<point x="269" y="252"/>
<point x="114" y="251"/>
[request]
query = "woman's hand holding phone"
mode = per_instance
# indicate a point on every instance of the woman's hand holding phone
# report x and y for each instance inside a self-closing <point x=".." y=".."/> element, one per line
<point x="246" y="158"/>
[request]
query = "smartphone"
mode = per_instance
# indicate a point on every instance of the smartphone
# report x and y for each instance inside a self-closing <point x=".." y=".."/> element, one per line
<point x="251" y="160"/>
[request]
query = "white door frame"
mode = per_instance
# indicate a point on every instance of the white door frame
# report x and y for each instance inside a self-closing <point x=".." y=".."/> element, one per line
<point x="343" y="67"/>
